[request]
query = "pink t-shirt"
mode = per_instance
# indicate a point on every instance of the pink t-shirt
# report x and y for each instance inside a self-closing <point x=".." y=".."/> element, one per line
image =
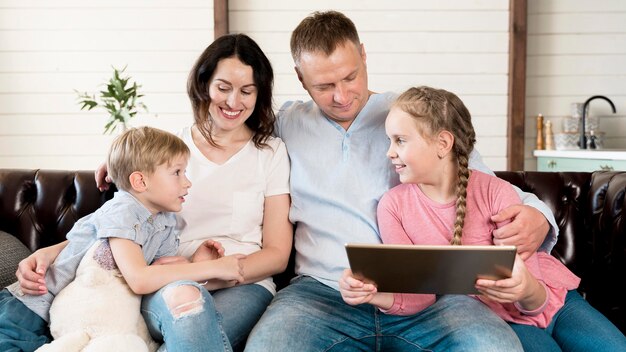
<point x="407" y="216"/>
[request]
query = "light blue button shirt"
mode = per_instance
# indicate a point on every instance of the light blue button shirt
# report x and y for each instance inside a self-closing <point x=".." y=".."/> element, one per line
<point x="122" y="217"/>
<point x="337" y="179"/>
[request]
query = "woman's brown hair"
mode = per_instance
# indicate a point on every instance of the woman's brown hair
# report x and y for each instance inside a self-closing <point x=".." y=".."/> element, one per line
<point x="242" y="47"/>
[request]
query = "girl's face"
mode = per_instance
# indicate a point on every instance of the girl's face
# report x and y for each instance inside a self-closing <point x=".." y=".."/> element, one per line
<point x="414" y="156"/>
<point x="233" y="95"/>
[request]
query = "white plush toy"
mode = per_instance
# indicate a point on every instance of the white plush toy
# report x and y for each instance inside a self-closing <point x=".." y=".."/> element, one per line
<point x="98" y="311"/>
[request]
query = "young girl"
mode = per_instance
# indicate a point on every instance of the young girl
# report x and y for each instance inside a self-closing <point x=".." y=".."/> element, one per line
<point x="431" y="137"/>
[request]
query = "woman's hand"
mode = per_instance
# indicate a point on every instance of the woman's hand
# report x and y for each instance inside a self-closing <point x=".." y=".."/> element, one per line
<point x="354" y="291"/>
<point x="215" y="284"/>
<point x="31" y="271"/>
<point x="230" y="268"/>
<point x="103" y="180"/>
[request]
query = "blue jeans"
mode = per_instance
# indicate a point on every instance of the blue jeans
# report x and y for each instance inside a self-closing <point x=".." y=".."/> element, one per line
<point x="232" y="312"/>
<point x="195" y="325"/>
<point x="577" y="326"/>
<point x="310" y="316"/>
<point x="20" y="328"/>
<point x="241" y="307"/>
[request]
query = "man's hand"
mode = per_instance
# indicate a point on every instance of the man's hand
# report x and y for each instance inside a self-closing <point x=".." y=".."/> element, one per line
<point x="527" y="229"/>
<point x="103" y="181"/>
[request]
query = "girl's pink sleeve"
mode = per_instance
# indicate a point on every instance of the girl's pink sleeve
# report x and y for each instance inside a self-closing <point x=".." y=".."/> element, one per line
<point x="556" y="279"/>
<point x="552" y="274"/>
<point x="503" y="197"/>
<point x="392" y="231"/>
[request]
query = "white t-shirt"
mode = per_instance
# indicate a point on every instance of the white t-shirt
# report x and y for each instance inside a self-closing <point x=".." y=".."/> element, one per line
<point x="226" y="202"/>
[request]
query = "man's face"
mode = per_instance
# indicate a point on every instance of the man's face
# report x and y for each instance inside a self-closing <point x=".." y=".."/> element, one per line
<point x="337" y="83"/>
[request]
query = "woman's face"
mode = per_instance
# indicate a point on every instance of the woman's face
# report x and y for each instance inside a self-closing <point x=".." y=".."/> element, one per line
<point x="233" y="95"/>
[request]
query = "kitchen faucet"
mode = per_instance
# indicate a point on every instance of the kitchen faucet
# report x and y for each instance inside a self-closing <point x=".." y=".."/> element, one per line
<point x="582" y="143"/>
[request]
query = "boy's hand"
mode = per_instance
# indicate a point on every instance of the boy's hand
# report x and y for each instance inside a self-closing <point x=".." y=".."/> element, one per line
<point x="31" y="273"/>
<point x="208" y="250"/>
<point x="354" y="291"/>
<point x="527" y="229"/>
<point x="173" y="259"/>
<point x="230" y="268"/>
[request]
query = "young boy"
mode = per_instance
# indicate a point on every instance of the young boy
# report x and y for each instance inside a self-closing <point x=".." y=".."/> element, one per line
<point x="136" y="227"/>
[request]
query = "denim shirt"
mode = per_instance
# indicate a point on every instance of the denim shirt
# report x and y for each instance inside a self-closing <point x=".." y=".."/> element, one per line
<point x="121" y="217"/>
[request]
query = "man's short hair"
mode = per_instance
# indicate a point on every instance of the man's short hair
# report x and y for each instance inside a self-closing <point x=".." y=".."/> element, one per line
<point x="322" y="32"/>
<point x="142" y="149"/>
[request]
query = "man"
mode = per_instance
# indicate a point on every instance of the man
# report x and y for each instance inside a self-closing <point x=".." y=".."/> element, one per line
<point x="339" y="171"/>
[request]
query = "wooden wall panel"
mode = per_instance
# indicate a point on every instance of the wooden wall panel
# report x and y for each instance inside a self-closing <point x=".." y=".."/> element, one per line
<point x="576" y="49"/>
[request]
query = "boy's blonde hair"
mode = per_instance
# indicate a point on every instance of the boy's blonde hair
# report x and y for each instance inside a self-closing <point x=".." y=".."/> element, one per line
<point x="322" y="32"/>
<point x="142" y="149"/>
<point x="436" y="110"/>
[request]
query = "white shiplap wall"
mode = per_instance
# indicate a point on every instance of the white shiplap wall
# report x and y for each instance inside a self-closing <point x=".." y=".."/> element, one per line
<point x="576" y="49"/>
<point x="50" y="48"/>
<point x="458" y="45"/>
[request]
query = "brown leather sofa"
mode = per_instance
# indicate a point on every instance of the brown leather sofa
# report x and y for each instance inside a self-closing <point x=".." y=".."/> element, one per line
<point x="39" y="207"/>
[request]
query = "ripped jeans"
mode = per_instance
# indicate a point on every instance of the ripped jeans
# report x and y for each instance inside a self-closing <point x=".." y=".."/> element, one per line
<point x="183" y="316"/>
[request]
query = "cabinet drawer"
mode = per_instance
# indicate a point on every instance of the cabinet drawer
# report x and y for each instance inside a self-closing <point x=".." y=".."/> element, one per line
<point x="572" y="164"/>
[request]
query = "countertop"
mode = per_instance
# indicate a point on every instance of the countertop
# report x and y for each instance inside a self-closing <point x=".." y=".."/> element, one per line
<point x="607" y="154"/>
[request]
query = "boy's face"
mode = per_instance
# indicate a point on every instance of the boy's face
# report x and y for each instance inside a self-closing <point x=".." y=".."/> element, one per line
<point x="413" y="156"/>
<point x="336" y="82"/>
<point x="167" y="187"/>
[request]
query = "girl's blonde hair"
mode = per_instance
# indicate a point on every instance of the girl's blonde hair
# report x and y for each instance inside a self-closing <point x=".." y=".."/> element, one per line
<point x="436" y="110"/>
<point x="142" y="149"/>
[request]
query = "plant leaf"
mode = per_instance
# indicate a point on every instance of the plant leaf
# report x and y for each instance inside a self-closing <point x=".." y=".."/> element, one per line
<point x="119" y="99"/>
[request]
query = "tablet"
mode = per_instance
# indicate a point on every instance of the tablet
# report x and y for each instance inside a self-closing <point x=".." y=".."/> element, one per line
<point x="443" y="269"/>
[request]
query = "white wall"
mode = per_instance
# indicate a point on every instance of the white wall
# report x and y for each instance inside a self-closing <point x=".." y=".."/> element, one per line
<point x="576" y="49"/>
<point x="48" y="49"/>
<point x="458" y="45"/>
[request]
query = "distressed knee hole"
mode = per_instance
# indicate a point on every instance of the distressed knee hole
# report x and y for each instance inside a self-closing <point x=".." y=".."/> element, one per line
<point x="183" y="300"/>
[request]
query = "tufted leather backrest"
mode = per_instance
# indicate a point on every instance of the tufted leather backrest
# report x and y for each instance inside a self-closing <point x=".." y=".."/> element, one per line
<point x="40" y="206"/>
<point x="589" y="209"/>
<point x="565" y="194"/>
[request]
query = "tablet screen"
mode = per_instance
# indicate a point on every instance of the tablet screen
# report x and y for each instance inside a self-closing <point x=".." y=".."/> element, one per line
<point x="429" y="269"/>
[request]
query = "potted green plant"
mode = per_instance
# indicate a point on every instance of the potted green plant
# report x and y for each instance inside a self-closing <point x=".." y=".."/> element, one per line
<point x="120" y="99"/>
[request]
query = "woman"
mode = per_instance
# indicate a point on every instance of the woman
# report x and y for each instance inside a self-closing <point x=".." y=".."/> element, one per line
<point x="240" y="198"/>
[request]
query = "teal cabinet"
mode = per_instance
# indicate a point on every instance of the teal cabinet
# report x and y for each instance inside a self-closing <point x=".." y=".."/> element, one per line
<point x="580" y="160"/>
